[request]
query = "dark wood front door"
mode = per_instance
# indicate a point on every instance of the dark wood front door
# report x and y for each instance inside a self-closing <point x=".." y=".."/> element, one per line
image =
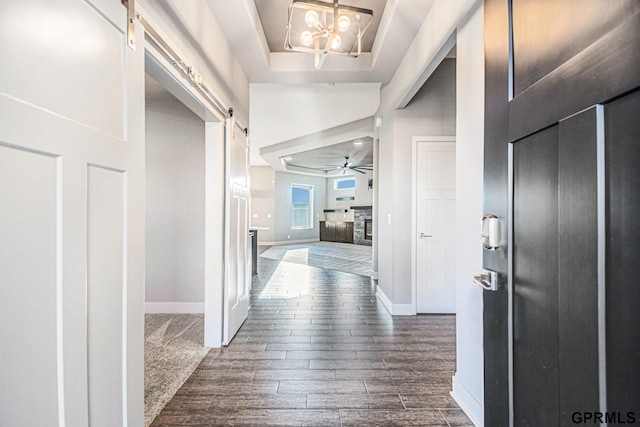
<point x="562" y="156"/>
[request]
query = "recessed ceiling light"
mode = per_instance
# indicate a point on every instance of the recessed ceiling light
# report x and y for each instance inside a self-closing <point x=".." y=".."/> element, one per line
<point x="358" y="142"/>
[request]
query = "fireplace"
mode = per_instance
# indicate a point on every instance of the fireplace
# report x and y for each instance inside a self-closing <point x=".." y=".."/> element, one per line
<point x="362" y="225"/>
<point x="368" y="228"/>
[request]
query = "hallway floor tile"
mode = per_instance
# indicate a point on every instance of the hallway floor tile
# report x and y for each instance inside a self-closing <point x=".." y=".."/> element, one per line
<point x="318" y="348"/>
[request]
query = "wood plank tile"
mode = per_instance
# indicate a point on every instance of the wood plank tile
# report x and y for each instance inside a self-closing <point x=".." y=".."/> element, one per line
<point x="439" y="399"/>
<point x="279" y="339"/>
<point x="341" y="401"/>
<point x="414" y="417"/>
<point x="254" y="417"/>
<point x="321" y="332"/>
<point x="367" y="346"/>
<point x="322" y="387"/>
<point x="243" y="346"/>
<point x="404" y="387"/>
<point x="189" y="403"/>
<point x="347" y="364"/>
<point x="456" y="417"/>
<point x="375" y="375"/>
<point x="223" y="376"/>
<point x="295" y="374"/>
<point x="257" y="401"/>
<point x="268" y="355"/>
<point x="299" y="346"/>
<point x="322" y="355"/>
<point x="207" y="387"/>
<point x="270" y="364"/>
<point x="341" y="339"/>
<point x="330" y="355"/>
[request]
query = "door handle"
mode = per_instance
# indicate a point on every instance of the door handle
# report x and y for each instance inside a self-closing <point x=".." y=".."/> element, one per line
<point x="424" y="236"/>
<point x="488" y="280"/>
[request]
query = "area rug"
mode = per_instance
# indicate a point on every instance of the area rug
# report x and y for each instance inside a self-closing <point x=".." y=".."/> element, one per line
<point x="346" y="257"/>
<point x="173" y="348"/>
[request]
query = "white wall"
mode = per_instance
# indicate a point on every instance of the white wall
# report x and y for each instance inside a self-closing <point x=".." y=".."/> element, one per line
<point x="263" y="201"/>
<point x="430" y="113"/>
<point x="468" y="385"/>
<point x="364" y="195"/>
<point x="283" y="232"/>
<point x="446" y="20"/>
<point x="193" y="32"/>
<point x="174" y="202"/>
<point x="271" y="194"/>
<point x="361" y="194"/>
<point x="433" y="41"/>
<point x="384" y="208"/>
<point x="281" y="112"/>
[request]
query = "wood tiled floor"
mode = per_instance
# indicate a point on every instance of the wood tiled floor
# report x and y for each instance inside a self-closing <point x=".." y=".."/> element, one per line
<point x="319" y="349"/>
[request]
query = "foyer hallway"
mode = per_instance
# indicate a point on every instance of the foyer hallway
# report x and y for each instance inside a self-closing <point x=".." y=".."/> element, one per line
<point x="318" y="348"/>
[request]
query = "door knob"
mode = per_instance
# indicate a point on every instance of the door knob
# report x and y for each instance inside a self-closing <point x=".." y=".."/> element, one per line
<point x="424" y="236"/>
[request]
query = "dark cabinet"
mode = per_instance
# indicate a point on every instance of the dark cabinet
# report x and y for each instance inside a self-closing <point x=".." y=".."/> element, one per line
<point x="344" y="232"/>
<point x="328" y="231"/>
<point x="336" y="231"/>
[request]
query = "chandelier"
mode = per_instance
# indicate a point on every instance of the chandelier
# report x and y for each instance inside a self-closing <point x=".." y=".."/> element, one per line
<point x="324" y="28"/>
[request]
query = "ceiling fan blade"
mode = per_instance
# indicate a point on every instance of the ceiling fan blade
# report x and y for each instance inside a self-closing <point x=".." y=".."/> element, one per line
<point x="359" y="171"/>
<point x="344" y="171"/>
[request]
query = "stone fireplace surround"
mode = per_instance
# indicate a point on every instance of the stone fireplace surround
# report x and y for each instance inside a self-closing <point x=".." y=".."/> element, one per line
<point x="360" y="214"/>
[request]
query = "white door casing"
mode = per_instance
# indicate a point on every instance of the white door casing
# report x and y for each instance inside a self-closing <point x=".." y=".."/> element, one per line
<point x="72" y="222"/>
<point x="161" y="69"/>
<point x="435" y="226"/>
<point x="237" y="244"/>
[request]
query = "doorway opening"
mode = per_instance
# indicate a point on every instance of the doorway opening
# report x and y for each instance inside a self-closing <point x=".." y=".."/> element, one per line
<point x="175" y="245"/>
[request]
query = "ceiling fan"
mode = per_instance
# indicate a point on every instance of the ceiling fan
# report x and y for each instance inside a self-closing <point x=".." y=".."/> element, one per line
<point x="347" y="165"/>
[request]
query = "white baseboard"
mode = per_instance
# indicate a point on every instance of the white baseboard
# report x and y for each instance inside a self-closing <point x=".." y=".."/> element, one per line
<point x="384" y="299"/>
<point x="403" y="309"/>
<point x="395" y="309"/>
<point x="287" y="242"/>
<point x="468" y="403"/>
<point x="174" y="307"/>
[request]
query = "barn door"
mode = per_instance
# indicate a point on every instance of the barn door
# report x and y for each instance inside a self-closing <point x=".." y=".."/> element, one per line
<point x="72" y="215"/>
<point x="561" y="336"/>
<point x="238" y="245"/>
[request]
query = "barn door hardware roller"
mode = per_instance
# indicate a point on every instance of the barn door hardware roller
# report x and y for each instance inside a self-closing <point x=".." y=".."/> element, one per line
<point x="131" y="24"/>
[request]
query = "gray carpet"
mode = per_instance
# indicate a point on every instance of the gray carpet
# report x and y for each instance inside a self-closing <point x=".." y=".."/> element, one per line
<point x="173" y="348"/>
<point x="345" y="257"/>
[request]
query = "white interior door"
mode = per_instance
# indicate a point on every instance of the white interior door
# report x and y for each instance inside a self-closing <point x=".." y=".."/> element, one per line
<point x="436" y="214"/>
<point x="72" y="215"/>
<point x="238" y="246"/>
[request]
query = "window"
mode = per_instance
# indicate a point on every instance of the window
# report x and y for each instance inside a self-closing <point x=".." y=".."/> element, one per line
<point x="301" y="206"/>
<point x="344" y="184"/>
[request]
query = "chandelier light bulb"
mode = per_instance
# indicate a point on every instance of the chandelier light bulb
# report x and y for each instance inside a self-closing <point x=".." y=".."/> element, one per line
<point x="306" y="38"/>
<point x="311" y="18"/>
<point x="344" y="23"/>
<point x="336" y="42"/>
<point x="324" y="28"/>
